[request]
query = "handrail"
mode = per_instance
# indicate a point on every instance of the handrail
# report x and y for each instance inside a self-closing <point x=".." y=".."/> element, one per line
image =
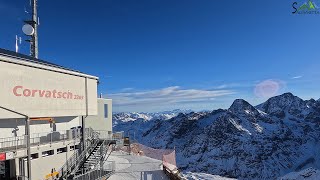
<point x="19" y="142"/>
<point x="73" y="162"/>
<point x="102" y="171"/>
<point x="102" y="153"/>
<point x="78" y="162"/>
<point x="97" y="173"/>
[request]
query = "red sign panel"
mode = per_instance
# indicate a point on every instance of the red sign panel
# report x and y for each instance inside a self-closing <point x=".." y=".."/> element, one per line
<point x="2" y="156"/>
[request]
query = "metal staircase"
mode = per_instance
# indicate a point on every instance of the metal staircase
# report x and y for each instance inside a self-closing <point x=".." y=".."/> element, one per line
<point x="93" y="166"/>
<point x="90" y="160"/>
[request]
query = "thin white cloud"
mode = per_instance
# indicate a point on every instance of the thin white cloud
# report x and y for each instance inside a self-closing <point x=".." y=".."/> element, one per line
<point x="296" y="77"/>
<point x="222" y="86"/>
<point x="166" y="97"/>
<point x="230" y="85"/>
<point x="126" y="89"/>
<point x="237" y="85"/>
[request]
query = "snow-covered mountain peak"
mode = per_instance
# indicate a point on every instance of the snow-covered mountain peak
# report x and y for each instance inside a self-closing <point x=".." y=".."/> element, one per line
<point x="245" y="142"/>
<point x="285" y="100"/>
<point x="284" y="104"/>
<point x="240" y="106"/>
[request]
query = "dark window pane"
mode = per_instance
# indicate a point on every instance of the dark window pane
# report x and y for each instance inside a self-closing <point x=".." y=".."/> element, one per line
<point x="106" y="111"/>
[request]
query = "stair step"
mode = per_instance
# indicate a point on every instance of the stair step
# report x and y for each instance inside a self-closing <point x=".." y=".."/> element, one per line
<point x="92" y="160"/>
<point x="94" y="157"/>
<point x="89" y="164"/>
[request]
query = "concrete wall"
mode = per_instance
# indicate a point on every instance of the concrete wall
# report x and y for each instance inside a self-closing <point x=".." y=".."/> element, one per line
<point x="44" y="92"/>
<point x="42" y="166"/>
<point x="100" y="122"/>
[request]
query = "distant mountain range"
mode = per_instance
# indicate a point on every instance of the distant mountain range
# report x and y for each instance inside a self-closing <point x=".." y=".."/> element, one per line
<point x="137" y="123"/>
<point x="132" y="116"/>
<point x="268" y="141"/>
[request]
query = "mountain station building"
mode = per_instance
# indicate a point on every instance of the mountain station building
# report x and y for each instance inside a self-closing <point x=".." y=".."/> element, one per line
<point x="55" y="106"/>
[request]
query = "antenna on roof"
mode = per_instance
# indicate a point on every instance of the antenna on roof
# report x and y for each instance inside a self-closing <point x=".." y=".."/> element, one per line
<point x="31" y="29"/>
<point x="18" y="41"/>
<point x="17" y="47"/>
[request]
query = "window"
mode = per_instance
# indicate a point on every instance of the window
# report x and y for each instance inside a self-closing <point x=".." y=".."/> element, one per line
<point x="106" y="111"/>
<point x="35" y="156"/>
<point x="47" y="153"/>
<point x="77" y="146"/>
<point x="61" y="150"/>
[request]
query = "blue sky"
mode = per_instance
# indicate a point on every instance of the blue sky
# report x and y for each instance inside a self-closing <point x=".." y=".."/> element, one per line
<point x="154" y="55"/>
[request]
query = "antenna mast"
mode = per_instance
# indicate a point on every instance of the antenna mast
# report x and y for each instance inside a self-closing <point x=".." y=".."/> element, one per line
<point x="34" y="35"/>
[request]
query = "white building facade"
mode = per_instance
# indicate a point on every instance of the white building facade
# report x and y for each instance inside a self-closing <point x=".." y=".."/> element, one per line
<point x="60" y="103"/>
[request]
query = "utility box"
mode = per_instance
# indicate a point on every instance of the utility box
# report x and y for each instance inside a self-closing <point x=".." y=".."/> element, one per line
<point x="126" y="141"/>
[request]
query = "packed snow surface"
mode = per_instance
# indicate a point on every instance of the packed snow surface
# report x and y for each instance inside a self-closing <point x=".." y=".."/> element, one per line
<point x="203" y="176"/>
<point x="132" y="167"/>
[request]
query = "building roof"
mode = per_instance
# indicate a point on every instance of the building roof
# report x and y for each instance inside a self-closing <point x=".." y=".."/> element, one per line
<point x="24" y="57"/>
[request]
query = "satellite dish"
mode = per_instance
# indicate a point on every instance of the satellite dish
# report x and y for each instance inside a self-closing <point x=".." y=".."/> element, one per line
<point x="28" y="29"/>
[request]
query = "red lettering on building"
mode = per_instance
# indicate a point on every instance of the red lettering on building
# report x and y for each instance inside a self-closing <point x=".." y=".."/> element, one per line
<point x="26" y="92"/>
<point x="15" y="90"/>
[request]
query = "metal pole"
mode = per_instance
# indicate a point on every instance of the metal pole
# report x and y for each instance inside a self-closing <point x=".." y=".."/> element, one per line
<point x="28" y="147"/>
<point x="83" y="134"/>
<point x="101" y="159"/>
<point x="84" y="118"/>
<point x="27" y="133"/>
<point x="34" y="44"/>
<point x="67" y="157"/>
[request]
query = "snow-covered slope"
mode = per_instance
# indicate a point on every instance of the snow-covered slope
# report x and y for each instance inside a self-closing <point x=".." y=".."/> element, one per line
<point x="306" y="174"/>
<point x="244" y="142"/>
<point x="203" y="176"/>
<point x="137" y="123"/>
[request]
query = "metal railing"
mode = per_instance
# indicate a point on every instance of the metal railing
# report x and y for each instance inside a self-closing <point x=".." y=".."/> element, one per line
<point x="99" y="156"/>
<point x="110" y="136"/>
<point x="77" y="160"/>
<point x="77" y="163"/>
<point x="99" y="169"/>
<point x="74" y="162"/>
<point x="98" y="173"/>
<point x="20" y="142"/>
